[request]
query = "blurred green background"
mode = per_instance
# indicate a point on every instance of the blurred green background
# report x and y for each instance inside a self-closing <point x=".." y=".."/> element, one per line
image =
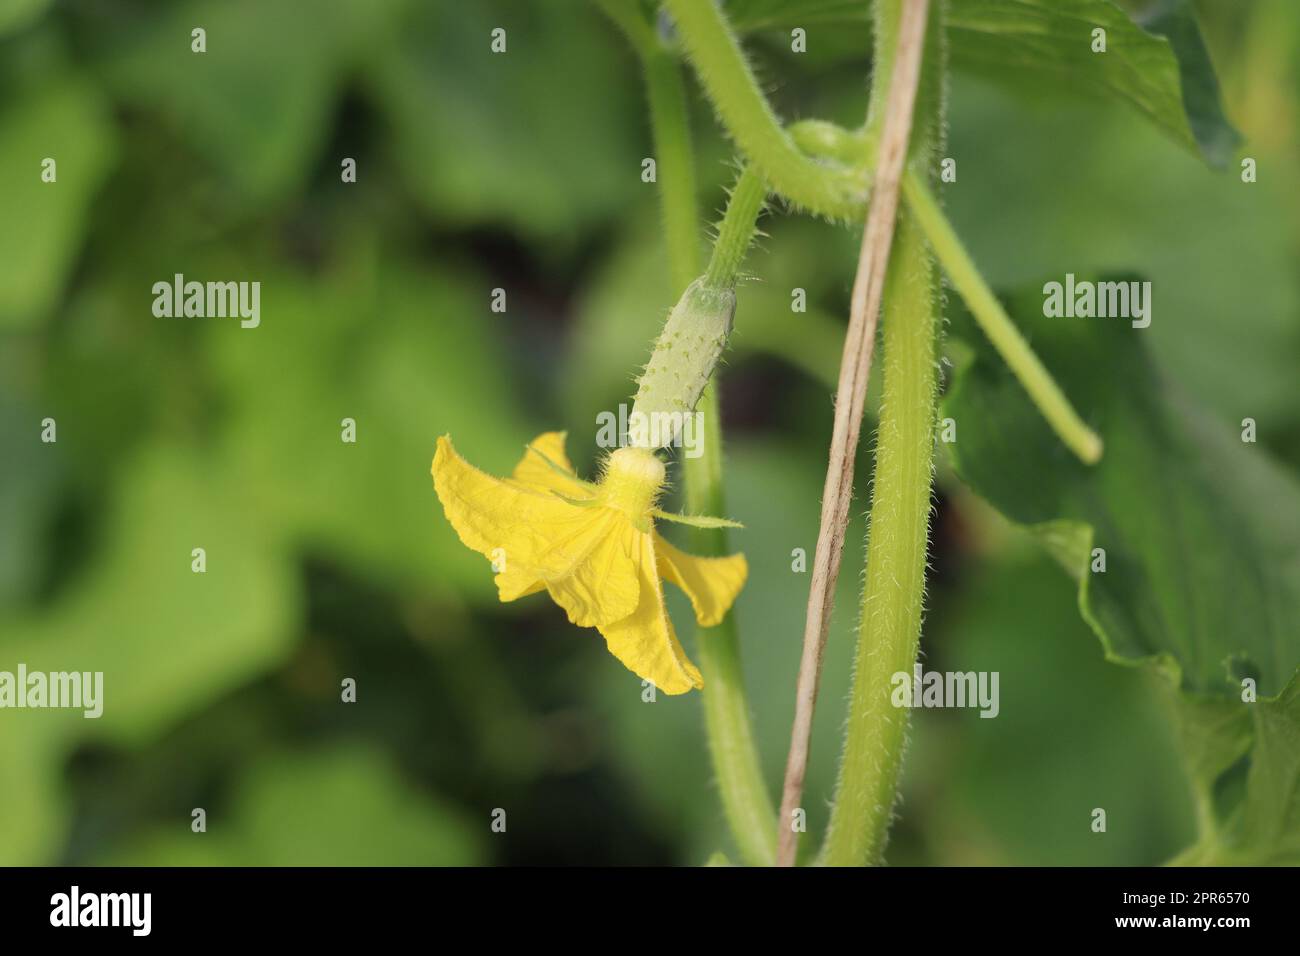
<point x="329" y="560"/>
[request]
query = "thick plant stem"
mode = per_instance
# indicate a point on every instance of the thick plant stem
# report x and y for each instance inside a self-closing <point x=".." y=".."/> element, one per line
<point x="855" y="368"/>
<point x="997" y="325"/>
<point x="827" y="189"/>
<point x="890" y="628"/>
<point x="893" y="592"/>
<point x="736" y="766"/>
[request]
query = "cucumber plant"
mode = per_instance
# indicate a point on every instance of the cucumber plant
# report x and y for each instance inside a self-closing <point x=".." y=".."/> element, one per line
<point x="1083" y="411"/>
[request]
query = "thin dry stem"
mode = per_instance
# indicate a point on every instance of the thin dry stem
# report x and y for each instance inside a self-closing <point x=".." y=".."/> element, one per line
<point x="850" y="396"/>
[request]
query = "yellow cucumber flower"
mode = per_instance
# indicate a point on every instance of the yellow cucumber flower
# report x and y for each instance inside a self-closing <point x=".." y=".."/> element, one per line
<point x="593" y="547"/>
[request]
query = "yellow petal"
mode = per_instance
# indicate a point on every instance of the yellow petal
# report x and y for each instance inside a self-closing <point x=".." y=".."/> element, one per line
<point x="514" y="583"/>
<point x="645" y="641"/>
<point x="585" y="556"/>
<point x="604" y="586"/>
<point x="529" y="530"/>
<point x="711" y="583"/>
<point x="534" y="471"/>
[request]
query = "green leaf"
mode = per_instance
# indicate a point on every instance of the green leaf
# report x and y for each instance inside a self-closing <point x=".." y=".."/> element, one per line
<point x="1175" y="20"/>
<point x="1157" y="61"/>
<point x="166" y="639"/>
<point x="1163" y="71"/>
<point x="1017" y="790"/>
<point x="1244" y="760"/>
<point x="1201" y="530"/>
<point x="544" y="158"/>
<point x="257" y="103"/>
<point x="616" y="317"/>
<point x="746" y="15"/>
<point x="1214" y="735"/>
<point x="404" y="381"/>
<point x="28" y="485"/>
<point x="1232" y="246"/>
<point x="1201" y="534"/>
<point x="43" y="222"/>
<point x="344" y="806"/>
<point x="16" y="15"/>
<point x="1271" y="812"/>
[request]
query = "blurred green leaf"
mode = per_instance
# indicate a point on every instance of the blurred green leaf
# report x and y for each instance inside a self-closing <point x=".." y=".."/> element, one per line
<point x="1175" y="20"/>
<point x="33" y="808"/>
<point x="1213" y="735"/>
<point x="1158" y="64"/>
<point x="546" y="143"/>
<point x="167" y="640"/>
<point x="1270" y="818"/>
<point x="257" y="105"/>
<point x="1072" y="733"/>
<point x="1255" y="821"/>
<point x="66" y="120"/>
<point x="746" y="15"/>
<point x="1169" y="79"/>
<point x="1208" y="242"/>
<point x="400" y="353"/>
<point x="28" y="485"/>
<point x="344" y="806"/>
<point x="621" y="310"/>
<point x="1200" y="532"/>
<point x="17" y="14"/>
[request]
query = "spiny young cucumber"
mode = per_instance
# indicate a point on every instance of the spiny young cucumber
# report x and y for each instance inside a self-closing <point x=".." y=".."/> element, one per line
<point x="684" y="357"/>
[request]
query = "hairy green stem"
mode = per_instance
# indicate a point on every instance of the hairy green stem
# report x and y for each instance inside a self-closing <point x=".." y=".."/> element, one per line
<point x="893" y="592"/>
<point x="826" y="188"/>
<point x="743" y="791"/>
<point x="827" y="170"/>
<point x="736" y="231"/>
<point x="745" y="800"/>
<point x="997" y="325"/>
<point x="889" y="631"/>
<point x="789" y="161"/>
<point x="628" y="17"/>
<point x="827" y="140"/>
<point x="745" y="796"/>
